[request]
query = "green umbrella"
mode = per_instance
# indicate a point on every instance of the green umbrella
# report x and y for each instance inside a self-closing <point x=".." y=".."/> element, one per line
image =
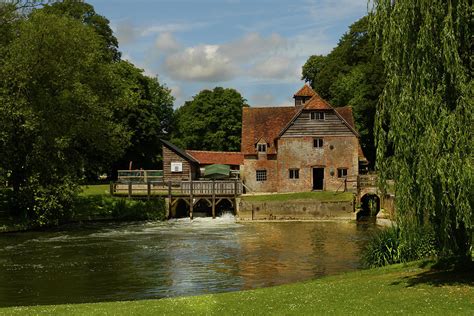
<point x="216" y="171"/>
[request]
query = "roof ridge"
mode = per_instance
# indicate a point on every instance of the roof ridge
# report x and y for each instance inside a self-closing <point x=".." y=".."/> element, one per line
<point x="214" y="151"/>
<point x="269" y="107"/>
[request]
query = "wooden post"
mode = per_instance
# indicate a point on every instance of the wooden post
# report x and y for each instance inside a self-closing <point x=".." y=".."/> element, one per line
<point x="191" y="202"/>
<point x="129" y="189"/>
<point x="235" y="196"/>
<point x="148" y="190"/>
<point x="111" y="188"/>
<point x="213" y="199"/>
<point x="169" y="197"/>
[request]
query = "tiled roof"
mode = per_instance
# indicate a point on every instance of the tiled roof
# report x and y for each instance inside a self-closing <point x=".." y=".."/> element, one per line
<point x="178" y="150"/>
<point x="346" y="113"/>
<point x="263" y="122"/>
<point x="317" y="103"/>
<point x="305" y="91"/>
<point x="217" y="157"/>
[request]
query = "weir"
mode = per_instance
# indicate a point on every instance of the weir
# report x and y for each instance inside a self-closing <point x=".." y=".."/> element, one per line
<point x="212" y="192"/>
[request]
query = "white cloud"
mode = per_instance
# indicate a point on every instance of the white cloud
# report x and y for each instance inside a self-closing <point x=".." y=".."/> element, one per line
<point x="200" y="63"/>
<point x="166" y="42"/>
<point x="253" y="45"/>
<point x="172" y="27"/>
<point x="273" y="67"/>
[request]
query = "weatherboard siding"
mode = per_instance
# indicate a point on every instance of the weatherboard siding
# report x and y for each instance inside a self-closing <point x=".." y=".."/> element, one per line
<point x="332" y="125"/>
<point x="170" y="156"/>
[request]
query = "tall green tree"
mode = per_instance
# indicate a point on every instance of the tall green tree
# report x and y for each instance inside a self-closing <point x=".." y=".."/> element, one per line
<point x="145" y="108"/>
<point x="425" y="116"/>
<point x="211" y="121"/>
<point x="55" y="112"/>
<point x="85" y="13"/>
<point x="352" y="74"/>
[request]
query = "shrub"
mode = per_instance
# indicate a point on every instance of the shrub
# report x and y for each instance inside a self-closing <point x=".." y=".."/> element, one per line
<point x="125" y="209"/>
<point x="391" y="246"/>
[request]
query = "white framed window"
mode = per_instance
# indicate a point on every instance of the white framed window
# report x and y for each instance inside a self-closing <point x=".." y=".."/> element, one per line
<point x="261" y="175"/>
<point x="262" y="148"/>
<point x="318" y="142"/>
<point x="294" y="173"/>
<point x="177" y="166"/>
<point x="317" y="116"/>
<point x="341" y="172"/>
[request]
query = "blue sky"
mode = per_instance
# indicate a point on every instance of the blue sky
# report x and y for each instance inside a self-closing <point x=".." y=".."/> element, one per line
<point x="257" y="47"/>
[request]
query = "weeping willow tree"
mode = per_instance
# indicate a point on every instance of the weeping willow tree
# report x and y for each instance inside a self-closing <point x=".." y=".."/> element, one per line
<point x="424" y="123"/>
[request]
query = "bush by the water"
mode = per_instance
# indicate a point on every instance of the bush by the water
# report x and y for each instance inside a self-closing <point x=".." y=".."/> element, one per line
<point x="126" y="209"/>
<point x="98" y="206"/>
<point x="389" y="247"/>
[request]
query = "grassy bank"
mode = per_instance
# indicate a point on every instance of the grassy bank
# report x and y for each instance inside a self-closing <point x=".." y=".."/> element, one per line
<point x="401" y="289"/>
<point x="324" y="196"/>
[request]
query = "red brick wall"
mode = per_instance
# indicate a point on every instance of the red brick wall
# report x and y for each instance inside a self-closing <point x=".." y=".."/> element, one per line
<point x="262" y="162"/>
<point x="299" y="153"/>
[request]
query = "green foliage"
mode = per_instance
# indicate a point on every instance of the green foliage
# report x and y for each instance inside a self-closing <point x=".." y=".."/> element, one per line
<point x="106" y="207"/>
<point x="388" y="247"/>
<point x="211" y="121"/>
<point x="125" y="209"/>
<point x="55" y="113"/>
<point x="85" y="13"/>
<point x="145" y="107"/>
<point x="424" y="122"/>
<point x="352" y="74"/>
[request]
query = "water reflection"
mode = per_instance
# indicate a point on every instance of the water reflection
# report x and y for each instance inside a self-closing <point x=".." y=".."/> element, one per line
<point x="102" y="262"/>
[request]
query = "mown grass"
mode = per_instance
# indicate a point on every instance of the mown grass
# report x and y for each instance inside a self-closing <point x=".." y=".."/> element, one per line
<point x="324" y="196"/>
<point x="399" y="289"/>
<point x="96" y="189"/>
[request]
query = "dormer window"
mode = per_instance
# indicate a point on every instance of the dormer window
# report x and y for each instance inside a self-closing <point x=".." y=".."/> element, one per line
<point x="317" y="116"/>
<point x="262" y="148"/>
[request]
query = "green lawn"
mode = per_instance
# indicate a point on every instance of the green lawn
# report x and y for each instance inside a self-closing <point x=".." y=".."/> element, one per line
<point x="399" y="289"/>
<point x="324" y="196"/>
<point x="96" y="189"/>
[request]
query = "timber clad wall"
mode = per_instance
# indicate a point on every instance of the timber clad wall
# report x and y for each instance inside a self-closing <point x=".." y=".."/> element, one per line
<point x="331" y="125"/>
<point x="170" y="156"/>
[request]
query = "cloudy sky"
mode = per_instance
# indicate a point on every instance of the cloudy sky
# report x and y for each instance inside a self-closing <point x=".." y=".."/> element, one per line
<point x="257" y="47"/>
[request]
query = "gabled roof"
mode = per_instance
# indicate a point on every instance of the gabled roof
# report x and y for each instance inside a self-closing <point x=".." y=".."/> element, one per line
<point x="324" y="105"/>
<point x="317" y="103"/>
<point x="178" y="151"/>
<point x="263" y="122"/>
<point x="346" y="113"/>
<point x="217" y="157"/>
<point x="305" y="91"/>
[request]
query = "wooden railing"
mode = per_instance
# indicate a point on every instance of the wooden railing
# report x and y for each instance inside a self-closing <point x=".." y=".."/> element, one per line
<point x="143" y="176"/>
<point x="233" y="187"/>
<point x="192" y="188"/>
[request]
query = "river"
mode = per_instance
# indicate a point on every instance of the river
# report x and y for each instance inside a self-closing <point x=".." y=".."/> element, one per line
<point x="127" y="261"/>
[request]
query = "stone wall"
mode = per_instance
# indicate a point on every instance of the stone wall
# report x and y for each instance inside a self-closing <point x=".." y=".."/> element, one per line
<point x="304" y="209"/>
<point x="260" y="162"/>
<point x="337" y="152"/>
<point x="299" y="153"/>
